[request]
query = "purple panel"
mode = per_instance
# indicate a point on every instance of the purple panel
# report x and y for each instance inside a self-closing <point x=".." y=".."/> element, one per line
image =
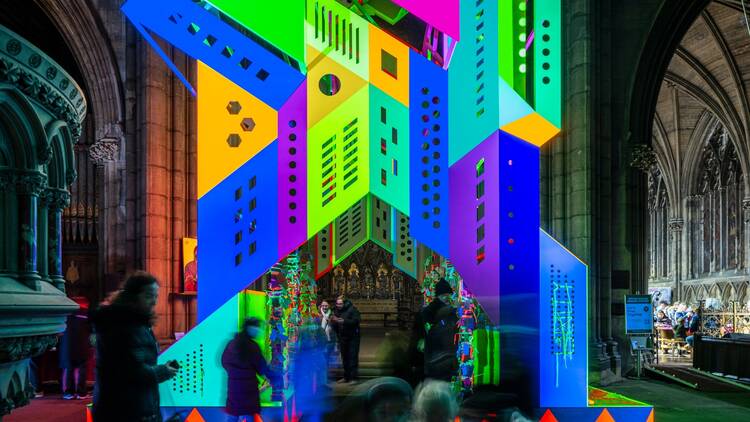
<point x="474" y="223"/>
<point x="293" y="171"/>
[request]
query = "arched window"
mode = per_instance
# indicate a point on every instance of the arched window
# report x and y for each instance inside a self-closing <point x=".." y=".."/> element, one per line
<point x="659" y="245"/>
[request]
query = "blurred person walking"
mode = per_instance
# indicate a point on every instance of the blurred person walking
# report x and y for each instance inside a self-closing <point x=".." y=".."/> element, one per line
<point x="74" y="352"/>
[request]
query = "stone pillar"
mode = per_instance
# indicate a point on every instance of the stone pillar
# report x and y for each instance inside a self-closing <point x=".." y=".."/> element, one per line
<point x="675" y="238"/>
<point x="29" y="186"/>
<point x="6" y="204"/>
<point x="58" y="199"/>
<point x="746" y="232"/>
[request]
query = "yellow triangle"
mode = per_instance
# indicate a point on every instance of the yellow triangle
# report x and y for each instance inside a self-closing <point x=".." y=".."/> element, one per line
<point x="532" y="128"/>
<point x="320" y="104"/>
<point x="224" y="110"/>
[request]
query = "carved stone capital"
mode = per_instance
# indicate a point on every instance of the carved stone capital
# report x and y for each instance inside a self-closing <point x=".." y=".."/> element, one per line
<point x="746" y="209"/>
<point x="676" y="224"/>
<point x="643" y="158"/>
<point x="31" y="183"/>
<point x="56" y="199"/>
<point x="104" y="150"/>
<point x="17" y="348"/>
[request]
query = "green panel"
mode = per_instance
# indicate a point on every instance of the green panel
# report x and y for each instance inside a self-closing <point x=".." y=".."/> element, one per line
<point x="339" y="33"/>
<point x="389" y="149"/>
<point x="338" y="158"/>
<point x="547" y="60"/>
<point x="281" y="23"/>
<point x="486" y="344"/>
<point x="350" y="230"/>
<point x="405" y="246"/>
<point x="512" y="27"/>
<point x="472" y="79"/>
<point x="381" y="223"/>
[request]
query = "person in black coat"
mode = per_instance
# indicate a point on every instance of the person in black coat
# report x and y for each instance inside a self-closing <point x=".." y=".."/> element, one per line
<point x="435" y="328"/>
<point x="128" y="377"/>
<point x="244" y="362"/>
<point x="74" y="352"/>
<point x="346" y="323"/>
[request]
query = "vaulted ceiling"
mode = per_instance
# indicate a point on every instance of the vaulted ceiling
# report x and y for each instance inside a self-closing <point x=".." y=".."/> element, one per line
<point x="705" y="86"/>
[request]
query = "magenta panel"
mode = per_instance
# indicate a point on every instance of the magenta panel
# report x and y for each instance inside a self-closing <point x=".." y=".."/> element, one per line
<point x="293" y="171"/>
<point x="445" y="17"/>
<point x="474" y="223"/>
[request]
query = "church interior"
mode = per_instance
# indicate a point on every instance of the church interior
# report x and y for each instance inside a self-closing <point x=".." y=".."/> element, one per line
<point x="573" y="171"/>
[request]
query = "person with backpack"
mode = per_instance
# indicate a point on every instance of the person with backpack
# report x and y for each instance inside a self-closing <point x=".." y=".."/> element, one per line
<point x="436" y="326"/>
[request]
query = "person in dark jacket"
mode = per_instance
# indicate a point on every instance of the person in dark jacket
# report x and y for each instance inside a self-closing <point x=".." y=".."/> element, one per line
<point x="346" y="320"/>
<point x="128" y="377"/>
<point x="74" y="352"/>
<point x="435" y="328"/>
<point x="244" y="362"/>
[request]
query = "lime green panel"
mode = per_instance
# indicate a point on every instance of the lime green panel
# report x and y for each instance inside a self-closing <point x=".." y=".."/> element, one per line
<point x="338" y="33"/>
<point x="389" y="150"/>
<point x="281" y="23"/>
<point x="512" y="27"/>
<point x="486" y="344"/>
<point x="338" y="161"/>
<point x="547" y="60"/>
<point x="253" y="305"/>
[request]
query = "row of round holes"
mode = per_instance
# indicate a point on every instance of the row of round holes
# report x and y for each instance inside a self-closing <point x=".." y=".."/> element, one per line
<point x="405" y="241"/>
<point x="545" y="52"/>
<point x="435" y="156"/>
<point x="292" y="165"/>
<point x="511" y="215"/>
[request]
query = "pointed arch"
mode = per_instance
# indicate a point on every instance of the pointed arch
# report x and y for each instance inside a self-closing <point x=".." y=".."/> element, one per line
<point x="24" y="129"/>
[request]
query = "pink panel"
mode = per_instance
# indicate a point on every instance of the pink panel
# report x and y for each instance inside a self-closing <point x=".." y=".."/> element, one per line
<point x="442" y="14"/>
<point x="293" y="171"/>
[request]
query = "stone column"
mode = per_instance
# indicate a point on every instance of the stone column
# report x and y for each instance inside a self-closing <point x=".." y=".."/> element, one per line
<point x="6" y="190"/>
<point x="29" y="186"/>
<point x="675" y="237"/>
<point x="58" y="199"/>
<point x="42" y="236"/>
<point x="746" y="232"/>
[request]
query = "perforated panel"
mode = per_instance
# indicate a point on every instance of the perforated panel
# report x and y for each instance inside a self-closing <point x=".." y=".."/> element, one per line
<point x="381" y="223"/>
<point x="293" y="172"/>
<point x="405" y="247"/>
<point x="335" y="29"/>
<point x="389" y="150"/>
<point x="473" y="78"/>
<point x="238" y="230"/>
<point x="513" y="29"/>
<point x="547" y="60"/>
<point x="203" y="36"/>
<point x="350" y="230"/>
<point x="428" y="151"/>
<point x="338" y="154"/>
<point x="562" y="326"/>
<point x="389" y="65"/>
<point x="474" y="225"/>
<point x="323" y="251"/>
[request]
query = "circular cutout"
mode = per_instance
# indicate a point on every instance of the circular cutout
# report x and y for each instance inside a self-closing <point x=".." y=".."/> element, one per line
<point x="292" y="219"/>
<point x="545" y="80"/>
<point x="425" y="173"/>
<point x="329" y="84"/>
<point x="292" y="137"/>
<point x="545" y="23"/>
<point x="436" y="128"/>
<point x="435" y="100"/>
<point x="545" y="37"/>
<point x="292" y="205"/>
<point x="436" y="197"/>
<point x="545" y="52"/>
<point x="292" y="123"/>
<point x="425" y="91"/>
<point x="292" y="164"/>
<point x="292" y="178"/>
<point x="545" y="66"/>
<point x="293" y="192"/>
<point x="292" y="151"/>
<point x="436" y="155"/>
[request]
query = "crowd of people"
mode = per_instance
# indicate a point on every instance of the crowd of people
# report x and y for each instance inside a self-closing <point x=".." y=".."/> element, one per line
<point x="684" y="320"/>
<point x="128" y="373"/>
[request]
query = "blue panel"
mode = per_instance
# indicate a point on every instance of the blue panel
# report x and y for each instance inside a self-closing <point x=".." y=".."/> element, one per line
<point x="428" y="153"/>
<point x="630" y="414"/>
<point x="238" y="237"/>
<point x="563" y="353"/>
<point x="206" y="38"/>
<point x="519" y="264"/>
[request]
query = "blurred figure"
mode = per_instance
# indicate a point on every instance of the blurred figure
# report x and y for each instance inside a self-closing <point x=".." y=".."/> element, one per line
<point x="127" y="384"/>
<point x="309" y="372"/>
<point x="434" y="402"/>
<point x="346" y="323"/>
<point x="244" y="362"/>
<point x="385" y="399"/>
<point x="327" y="326"/>
<point x="662" y="320"/>
<point x="74" y="352"/>
<point x="435" y="328"/>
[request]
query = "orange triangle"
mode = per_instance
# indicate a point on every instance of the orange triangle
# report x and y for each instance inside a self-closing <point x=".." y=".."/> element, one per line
<point x="195" y="416"/>
<point x="548" y="417"/>
<point x="650" y="416"/>
<point x="605" y="417"/>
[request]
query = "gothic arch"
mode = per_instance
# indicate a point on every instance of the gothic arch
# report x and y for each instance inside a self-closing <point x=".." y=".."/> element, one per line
<point x="61" y="168"/>
<point x="26" y="136"/>
<point x="89" y="42"/>
<point x="707" y="124"/>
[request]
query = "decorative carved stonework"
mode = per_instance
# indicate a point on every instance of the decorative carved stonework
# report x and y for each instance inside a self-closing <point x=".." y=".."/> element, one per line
<point x="643" y="158"/>
<point x="676" y="225"/>
<point x="17" y="348"/>
<point x="6" y="182"/>
<point x="30" y="183"/>
<point x="104" y="150"/>
<point x="746" y="210"/>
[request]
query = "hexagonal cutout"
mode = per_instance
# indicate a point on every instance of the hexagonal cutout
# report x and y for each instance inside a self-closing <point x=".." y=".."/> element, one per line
<point x="234" y="140"/>
<point x="234" y="107"/>
<point x="248" y="124"/>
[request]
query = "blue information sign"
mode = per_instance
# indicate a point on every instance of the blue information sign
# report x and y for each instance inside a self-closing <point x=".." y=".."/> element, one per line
<point x="639" y="314"/>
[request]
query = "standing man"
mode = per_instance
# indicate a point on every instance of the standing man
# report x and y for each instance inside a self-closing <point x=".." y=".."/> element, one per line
<point x="346" y="323"/>
<point x="435" y="329"/>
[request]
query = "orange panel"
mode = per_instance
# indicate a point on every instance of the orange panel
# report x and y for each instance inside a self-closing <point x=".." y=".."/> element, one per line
<point x="650" y="416"/>
<point x="233" y="126"/>
<point x="389" y="65"/>
<point x="533" y="129"/>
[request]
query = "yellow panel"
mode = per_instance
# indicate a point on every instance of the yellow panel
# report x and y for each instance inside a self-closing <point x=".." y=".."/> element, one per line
<point x="320" y="104"/>
<point x="395" y="84"/>
<point x="224" y="111"/>
<point x="532" y="128"/>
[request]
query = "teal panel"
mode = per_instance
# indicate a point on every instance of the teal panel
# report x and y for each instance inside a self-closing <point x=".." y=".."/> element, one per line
<point x="389" y="149"/>
<point x="405" y="246"/>
<point x="473" y="79"/>
<point x="350" y="230"/>
<point x="547" y="60"/>
<point x="381" y="223"/>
